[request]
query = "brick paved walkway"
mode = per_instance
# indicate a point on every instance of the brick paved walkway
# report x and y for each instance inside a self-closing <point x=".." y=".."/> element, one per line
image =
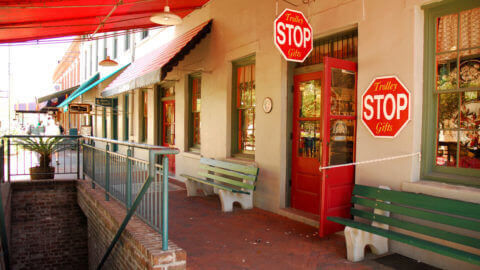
<point x="251" y="239"/>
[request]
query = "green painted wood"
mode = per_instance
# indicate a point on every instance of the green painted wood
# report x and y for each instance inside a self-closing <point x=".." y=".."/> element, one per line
<point x="230" y="166"/>
<point x="417" y="213"/>
<point x="248" y="177"/>
<point x="211" y="183"/>
<point x="422" y="229"/>
<point x="413" y="241"/>
<point x="227" y="180"/>
<point x="455" y="207"/>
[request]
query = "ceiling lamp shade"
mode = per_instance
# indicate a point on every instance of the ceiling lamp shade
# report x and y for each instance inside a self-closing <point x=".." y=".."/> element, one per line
<point x="166" y="17"/>
<point x="108" y="62"/>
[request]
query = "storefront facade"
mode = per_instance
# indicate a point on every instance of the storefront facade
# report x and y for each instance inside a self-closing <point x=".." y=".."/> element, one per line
<point x="211" y="103"/>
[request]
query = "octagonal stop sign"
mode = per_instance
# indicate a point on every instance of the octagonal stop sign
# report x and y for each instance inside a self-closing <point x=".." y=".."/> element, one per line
<point x="293" y="35"/>
<point x="386" y="107"/>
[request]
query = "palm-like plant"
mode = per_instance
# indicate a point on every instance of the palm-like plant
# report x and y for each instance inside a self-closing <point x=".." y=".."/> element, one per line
<point x="44" y="147"/>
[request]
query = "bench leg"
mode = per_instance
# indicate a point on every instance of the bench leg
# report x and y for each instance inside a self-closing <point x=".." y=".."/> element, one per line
<point x="356" y="241"/>
<point x="227" y="199"/>
<point x="193" y="187"/>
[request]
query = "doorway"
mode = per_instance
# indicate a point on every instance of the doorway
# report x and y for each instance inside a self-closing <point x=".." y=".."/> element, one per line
<point x="166" y="132"/>
<point x="324" y="128"/>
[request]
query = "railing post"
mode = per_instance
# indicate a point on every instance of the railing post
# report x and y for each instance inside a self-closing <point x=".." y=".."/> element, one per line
<point x="78" y="159"/>
<point x="165" y="203"/>
<point x="128" y="188"/>
<point x="8" y="159"/>
<point x="2" y="162"/>
<point x="93" y="164"/>
<point x="107" y="173"/>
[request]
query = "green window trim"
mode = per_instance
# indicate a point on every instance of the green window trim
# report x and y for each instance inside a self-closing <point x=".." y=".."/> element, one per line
<point x="236" y="151"/>
<point x="126" y="131"/>
<point x="144" y="115"/>
<point x="192" y="144"/>
<point x="429" y="170"/>
<point x="104" y="122"/>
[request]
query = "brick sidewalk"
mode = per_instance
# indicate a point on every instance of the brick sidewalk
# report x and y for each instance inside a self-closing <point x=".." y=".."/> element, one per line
<point x="251" y="239"/>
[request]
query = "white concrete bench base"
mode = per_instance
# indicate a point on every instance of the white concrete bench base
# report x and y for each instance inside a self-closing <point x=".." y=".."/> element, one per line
<point x="193" y="187"/>
<point x="227" y="198"/>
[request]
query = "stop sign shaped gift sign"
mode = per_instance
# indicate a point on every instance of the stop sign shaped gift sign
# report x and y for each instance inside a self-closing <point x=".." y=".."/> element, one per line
<point x="293" y="35"/>
<point x="386" y="107"/>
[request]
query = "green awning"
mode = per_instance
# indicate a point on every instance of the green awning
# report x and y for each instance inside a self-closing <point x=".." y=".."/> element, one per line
<point x="80" y="91"/>
<point x="57" y="94"/>
<point x="80" y="88"/>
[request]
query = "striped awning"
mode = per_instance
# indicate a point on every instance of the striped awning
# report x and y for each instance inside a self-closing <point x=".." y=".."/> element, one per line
<point x="153" y="67"/>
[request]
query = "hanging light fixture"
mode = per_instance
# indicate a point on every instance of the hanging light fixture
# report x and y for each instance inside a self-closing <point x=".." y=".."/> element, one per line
<point x="108" y="62"/>
<point x="166" y="17"/>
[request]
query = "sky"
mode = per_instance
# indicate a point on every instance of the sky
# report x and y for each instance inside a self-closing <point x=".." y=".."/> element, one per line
<point x="32" y="68"/>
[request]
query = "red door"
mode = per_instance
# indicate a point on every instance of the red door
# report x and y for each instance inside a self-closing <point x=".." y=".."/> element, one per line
<point x="324" y="128"/>
<point x="168" y="130"/>
<point x="307" y="141"/>
<point x="339" y="123"/>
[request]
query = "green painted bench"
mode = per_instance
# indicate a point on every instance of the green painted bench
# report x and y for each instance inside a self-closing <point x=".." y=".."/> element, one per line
<point x="421" y="211"/>
<point x="233" y="182"/>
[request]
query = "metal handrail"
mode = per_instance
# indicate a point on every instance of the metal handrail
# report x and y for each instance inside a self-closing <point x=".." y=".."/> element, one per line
<point x="173" y="151"/>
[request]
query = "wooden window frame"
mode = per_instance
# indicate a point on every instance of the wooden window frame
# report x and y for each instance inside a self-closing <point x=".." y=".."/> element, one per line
<point x="429" y="170"/>
<point x="236" y="151"/>
<point x="192" y="144"/>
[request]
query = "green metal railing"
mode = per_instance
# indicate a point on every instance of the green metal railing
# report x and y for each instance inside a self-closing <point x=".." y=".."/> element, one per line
<point x="125" y="177"/>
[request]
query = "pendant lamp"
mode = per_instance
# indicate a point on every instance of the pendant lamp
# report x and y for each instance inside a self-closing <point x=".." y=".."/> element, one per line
<point x="166" y="17"/>
<point x="108" y="62"/>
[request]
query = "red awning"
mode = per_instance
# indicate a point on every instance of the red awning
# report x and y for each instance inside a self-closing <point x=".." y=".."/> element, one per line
<point x="24" y="20"/>
<point x="154" y="66"/>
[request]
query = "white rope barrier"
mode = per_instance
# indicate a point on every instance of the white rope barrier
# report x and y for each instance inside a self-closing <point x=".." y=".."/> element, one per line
<point x="372" y="161"/>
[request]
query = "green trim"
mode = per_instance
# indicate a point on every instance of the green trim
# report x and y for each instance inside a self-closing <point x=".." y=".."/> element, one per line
<point x="104" y="122"/>
<point x="126" y="124"/>
<point x="143" y="137"/>
<point x="429" y="170"/>
<point x="192" y="147"/>
<point x="247" y="60"/>
<point x="211" y="183"/>
<point x="410" y="240"/>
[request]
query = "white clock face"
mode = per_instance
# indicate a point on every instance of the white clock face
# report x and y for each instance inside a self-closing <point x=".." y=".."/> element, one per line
<point x="267" y="105"/>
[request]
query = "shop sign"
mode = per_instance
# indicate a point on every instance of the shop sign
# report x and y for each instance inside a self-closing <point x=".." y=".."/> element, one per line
<point x="386" y="107"/>
<point x="104" y="102"/>
<point x="79" y="108"/>
<point x="293" y="35"/>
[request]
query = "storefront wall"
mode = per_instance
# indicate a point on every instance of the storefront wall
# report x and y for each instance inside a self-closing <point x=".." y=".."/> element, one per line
<point x="390" y="42"/>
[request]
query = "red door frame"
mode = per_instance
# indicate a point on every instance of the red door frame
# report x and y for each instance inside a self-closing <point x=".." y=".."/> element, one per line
<point x="171" y="158"/>
<point x="295" y="142"/>
<point x="330" y="177"/>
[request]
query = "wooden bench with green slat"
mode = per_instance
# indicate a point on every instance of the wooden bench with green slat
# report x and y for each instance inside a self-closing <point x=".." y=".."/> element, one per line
<point x="233" y="182"/>
<point x="420" y="210"/>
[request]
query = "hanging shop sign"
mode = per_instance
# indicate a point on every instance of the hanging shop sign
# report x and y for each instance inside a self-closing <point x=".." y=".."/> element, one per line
<point x="79" y="108"/>
<point x="386" y="107"/>
<point x="293" y="35"/>
<point x="104" y="102"/>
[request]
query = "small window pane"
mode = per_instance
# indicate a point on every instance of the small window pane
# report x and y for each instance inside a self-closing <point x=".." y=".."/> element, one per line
<point x="469" y="149"/>
<point x="309" y="144"/>
<point x="448" y="110"/>
<point x="247" y="126"/>
<point x="470" y="28"/>
<point x="447" y="29"/>
<point x="470" y="110"/>
<point x="311" y="98"/>
<point x="343" y="92"/>
<point x="341" y="141"/>
<point x="470" y="71"/>
<point x="447" y="71"/>
<point x="447" y="148"/>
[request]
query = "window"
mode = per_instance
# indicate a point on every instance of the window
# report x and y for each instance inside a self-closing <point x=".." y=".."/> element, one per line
<point x="104" y="120"/>
<point x="86" y="65"/>
<point x="144" y="34"/>
<point x="452" y="93"/>
<point x="243" y="122"/>
<point x="144" y="101"/>
<point x="91" y="59"/>
<point x="127" y="40"/>
<point x="126" y="118"/>
<point x="115" y="49"/>
<point x="194" y="108"/>
<point x="96" y="55"/>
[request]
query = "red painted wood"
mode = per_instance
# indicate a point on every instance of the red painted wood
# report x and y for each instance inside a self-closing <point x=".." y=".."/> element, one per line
<point x="337" y="184"/>
<point x="168" y="107"/>
<point x="305" y="174"/>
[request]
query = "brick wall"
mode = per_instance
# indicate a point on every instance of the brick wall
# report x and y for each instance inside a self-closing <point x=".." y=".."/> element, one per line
<point x="49" y="230"/>
<point x="140" y="247"/>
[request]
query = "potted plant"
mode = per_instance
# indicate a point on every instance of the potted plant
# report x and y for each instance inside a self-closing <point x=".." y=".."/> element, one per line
<point x="44" y="147"/>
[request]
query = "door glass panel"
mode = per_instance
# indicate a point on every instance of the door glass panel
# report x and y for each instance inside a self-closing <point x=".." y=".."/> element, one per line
<point x="470" y="110"/>
<point x="247" y="127"/>
<point x="310" y="139"/>
<point x="469" y="149"/>
<point x="310" y="98"/>
<point x="343" y="92"/>
<point x="447" y="148"/>
<point x="341" y="141"/>
<point x="448" y="110"/>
